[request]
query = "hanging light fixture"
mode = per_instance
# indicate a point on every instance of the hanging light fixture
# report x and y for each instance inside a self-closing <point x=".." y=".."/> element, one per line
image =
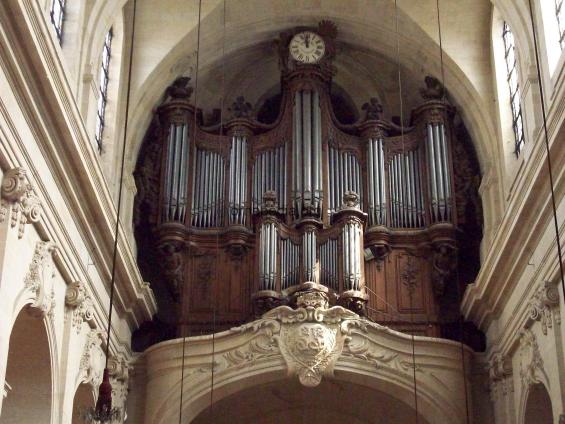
<point x="104" y="412"/>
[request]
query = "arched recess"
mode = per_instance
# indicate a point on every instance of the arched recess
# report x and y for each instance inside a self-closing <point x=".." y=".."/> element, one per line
<point x="332" y="402"/>
<point x="29" y="372"/>
<point x="84" y="399"/>
<point x="538" y="406"/>
<point x="196" y="400"/>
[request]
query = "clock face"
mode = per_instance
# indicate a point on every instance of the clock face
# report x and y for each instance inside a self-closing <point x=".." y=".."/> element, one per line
<point x="307" y="47"/>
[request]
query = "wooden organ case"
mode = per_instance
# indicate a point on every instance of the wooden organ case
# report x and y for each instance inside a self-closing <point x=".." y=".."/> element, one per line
<point x="233" y="220"/>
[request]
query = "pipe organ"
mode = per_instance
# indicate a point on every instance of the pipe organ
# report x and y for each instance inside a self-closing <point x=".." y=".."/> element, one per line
<point x="243" y="216"/>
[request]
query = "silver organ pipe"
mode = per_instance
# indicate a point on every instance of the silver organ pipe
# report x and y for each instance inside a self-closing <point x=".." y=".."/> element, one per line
<point x="208" y="189"/>
<point x="268" y="247"/>
<point x="344" y="176"/>
<point x="269" y="174"/>
<point x="176" y="175"/>
<point x="309" y="255"/>
<point x="405" y="190"/>
<point x="329" y="264"/>
<point x="376" y="182"/>
<point x="290" y="263"/>
<point x="237" y="193"/>
<point x="307" y="153"/>
<point x="351" y="241"/>
<point x="438" y="171"/>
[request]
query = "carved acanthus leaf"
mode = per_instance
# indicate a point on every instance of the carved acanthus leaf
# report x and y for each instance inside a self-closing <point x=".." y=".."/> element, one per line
<point x="531" y="362"/>
<point x="38" y="279"/>
<point x="92" y="360"/>
<point x="19" y="197"/>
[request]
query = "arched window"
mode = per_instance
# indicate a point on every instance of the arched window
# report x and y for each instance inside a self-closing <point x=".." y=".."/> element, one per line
<point x="514" y="86"/>
<point x="57" y="15"/>
<point x="560" y="14"/>
<point x="103" y="88"/>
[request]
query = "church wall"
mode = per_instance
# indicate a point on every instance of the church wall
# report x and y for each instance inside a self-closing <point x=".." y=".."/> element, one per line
<point x="54" y="256"/>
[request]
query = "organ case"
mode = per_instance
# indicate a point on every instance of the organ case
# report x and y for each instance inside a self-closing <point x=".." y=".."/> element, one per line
<point x="241" y="216"/>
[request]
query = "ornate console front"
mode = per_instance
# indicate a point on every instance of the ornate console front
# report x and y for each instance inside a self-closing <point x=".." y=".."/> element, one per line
<point x="239" y="217"/>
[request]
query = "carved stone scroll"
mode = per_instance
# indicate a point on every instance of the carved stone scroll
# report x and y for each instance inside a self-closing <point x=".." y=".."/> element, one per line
<point x="80" y="304"/>
<point x="543" y="307"/>
<point x="19" y="197"/>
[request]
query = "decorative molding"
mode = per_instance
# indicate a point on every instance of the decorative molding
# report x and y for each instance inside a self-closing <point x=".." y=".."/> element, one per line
<point x="311" y="339"/>
<point x="18" y="196"/>
<point x="500" y="376"/>
<point x="92" y="360"/>
<point x="80" y="304"/>
<point x="531" y="362"/>
<point x="544" y="307"/>
<point x="118" y="367"/>
<point x="38" y="280"/>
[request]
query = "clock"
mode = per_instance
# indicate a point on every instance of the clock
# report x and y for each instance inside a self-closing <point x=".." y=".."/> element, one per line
<point x="307" y="47"/>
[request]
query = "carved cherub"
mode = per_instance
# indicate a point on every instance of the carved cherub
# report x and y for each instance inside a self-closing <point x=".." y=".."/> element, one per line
<point x="434" y="89"/>
<point x="179" y="89"/>
<point x="373" y="109"/>
<point x="240" y="108"/>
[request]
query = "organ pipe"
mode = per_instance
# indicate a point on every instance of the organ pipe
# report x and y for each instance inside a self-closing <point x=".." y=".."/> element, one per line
<point x="208" y="189"/>
<point x="176" y="175"/>
<point x="290" y="263"/>
<point x="351" y="241"/>
<point x="309" y="255"/>
<point x="405" y="190"/>
<point x="307" y="154"/>
<point x="237" y="193"/>
<point x="344" y="176"/>
<point x="439" y="174"/>
<point x="376" y="182"/>
<point x="268" y="253"/>
<point x="329" y="264"/>
<point x="269" y="174"/>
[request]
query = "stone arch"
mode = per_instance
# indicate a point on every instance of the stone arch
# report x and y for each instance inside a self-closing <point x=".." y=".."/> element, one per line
<point x="275" y="349"/>
<point x="538" y="409"/>
<point x="30" y="372"/>
<point x="431" y="407"/>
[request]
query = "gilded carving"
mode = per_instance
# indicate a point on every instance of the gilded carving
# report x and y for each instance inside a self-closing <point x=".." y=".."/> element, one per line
<point x="18" y="195"/>
<point x="38" y="279"/>
<point x="80" y="305"/>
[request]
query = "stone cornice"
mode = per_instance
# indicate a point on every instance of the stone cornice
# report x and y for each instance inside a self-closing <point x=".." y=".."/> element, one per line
<point x="40" y="85"/>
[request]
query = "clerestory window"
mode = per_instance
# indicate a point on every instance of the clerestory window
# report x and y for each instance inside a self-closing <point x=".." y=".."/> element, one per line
<point x="514" y="86"/>
<point x="103" y="88"/>
<point x="560" y="14"/>
<point x="57" y="15"/>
